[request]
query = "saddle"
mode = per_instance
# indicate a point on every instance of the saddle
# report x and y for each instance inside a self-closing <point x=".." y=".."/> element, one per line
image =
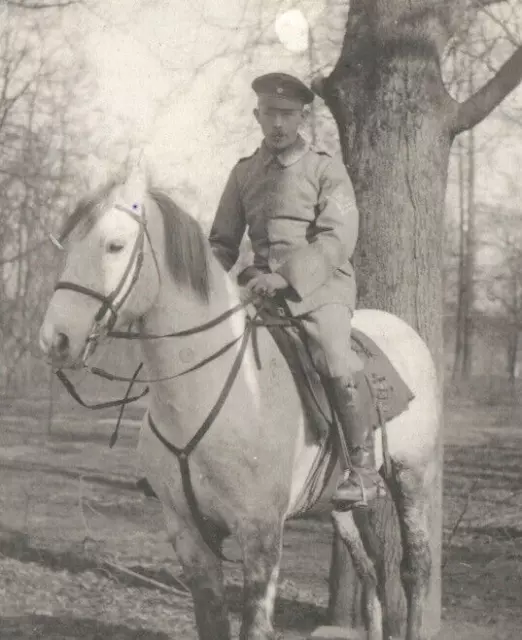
<point x="382" y="393"/>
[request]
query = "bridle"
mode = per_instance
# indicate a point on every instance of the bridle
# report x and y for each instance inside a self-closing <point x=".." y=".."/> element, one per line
<point x="112" y="303"/>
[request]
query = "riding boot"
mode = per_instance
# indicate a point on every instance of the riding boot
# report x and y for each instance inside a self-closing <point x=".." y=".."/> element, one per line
<point x="361" y="482"/>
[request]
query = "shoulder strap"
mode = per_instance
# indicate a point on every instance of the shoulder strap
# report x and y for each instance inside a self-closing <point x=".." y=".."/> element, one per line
<point x="244" y="158"/>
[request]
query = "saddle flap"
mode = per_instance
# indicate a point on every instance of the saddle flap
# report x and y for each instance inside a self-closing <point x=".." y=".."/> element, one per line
<point x="378" y="381"/>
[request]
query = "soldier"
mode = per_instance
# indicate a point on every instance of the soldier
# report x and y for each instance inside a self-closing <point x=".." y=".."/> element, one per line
<point x="298" y="206"/>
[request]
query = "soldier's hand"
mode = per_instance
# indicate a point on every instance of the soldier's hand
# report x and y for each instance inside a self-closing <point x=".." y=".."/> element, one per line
<point x="267" y="284"/>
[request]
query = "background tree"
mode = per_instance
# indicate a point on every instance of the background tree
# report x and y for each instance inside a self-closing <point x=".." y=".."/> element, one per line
<point x="47" y="133"/>
<point x="501" y="280"/>
<point x="474" y="53"/>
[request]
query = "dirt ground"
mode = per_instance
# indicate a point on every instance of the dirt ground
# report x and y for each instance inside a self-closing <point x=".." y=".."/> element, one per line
<point x="69" y="513"/>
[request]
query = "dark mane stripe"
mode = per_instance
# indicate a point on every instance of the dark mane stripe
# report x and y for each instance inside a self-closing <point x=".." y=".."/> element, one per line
<point x="185" y="245"/>
<point x="86" y="209"/>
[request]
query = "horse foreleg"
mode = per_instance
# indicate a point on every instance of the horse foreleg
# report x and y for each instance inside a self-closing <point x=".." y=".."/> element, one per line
<point x="347" y="529"/>
<point x="204" y="575"/>
<point x="261" y="545"/>
<point x="410" y="496"/>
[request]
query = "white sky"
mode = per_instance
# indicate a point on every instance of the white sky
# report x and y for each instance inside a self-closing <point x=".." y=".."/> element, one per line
<point x="144" y="61"/>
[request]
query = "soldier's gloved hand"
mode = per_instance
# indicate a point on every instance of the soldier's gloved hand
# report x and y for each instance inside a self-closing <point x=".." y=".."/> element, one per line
<point x="267" y="284"/>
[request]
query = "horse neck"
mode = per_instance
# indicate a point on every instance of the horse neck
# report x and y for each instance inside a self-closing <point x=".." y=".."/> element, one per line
<point x="178" y="309"/>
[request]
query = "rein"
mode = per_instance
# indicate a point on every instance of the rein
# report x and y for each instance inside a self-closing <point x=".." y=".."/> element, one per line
<point x="128" y="399"/>
<point x="128" y="335"/>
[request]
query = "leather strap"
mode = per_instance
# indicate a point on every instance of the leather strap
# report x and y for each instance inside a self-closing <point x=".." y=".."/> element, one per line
<point x="207" y="531"/>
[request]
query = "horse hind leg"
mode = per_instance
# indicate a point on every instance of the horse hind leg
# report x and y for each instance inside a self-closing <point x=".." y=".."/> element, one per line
<point x="350" y="534"/>
<point x="261" y="545"/>
<point x="410" y="494"/>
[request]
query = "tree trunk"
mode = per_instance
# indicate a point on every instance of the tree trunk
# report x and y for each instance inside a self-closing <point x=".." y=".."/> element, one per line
<point x="396" y="125"/>
<point x="469" y="281"/>
<point x="392" y="110"/>
<point x="512" y="353"/>
<point x="344" y="608"/>
<point x="461" y="295"/>
<point x="514" y="369"/>
<point x="311" y="65"/>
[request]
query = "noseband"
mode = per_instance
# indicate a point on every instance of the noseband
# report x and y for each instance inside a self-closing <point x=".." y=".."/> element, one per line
<point x="112" y="302"/>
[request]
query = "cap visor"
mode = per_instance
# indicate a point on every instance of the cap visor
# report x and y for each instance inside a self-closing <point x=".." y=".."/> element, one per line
<point x="280" y="102"/>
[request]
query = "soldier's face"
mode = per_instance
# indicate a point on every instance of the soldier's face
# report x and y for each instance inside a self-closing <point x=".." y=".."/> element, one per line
<point x="280" y="122"/>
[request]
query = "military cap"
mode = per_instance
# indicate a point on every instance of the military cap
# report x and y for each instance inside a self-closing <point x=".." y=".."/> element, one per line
<point x="283" y="85"/>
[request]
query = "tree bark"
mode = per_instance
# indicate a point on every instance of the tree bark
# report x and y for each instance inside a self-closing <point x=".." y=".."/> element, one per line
<point x="461" y="299"/>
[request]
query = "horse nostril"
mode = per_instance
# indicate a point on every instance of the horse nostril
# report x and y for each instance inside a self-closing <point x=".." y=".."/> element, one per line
<point x="61" y="344"/>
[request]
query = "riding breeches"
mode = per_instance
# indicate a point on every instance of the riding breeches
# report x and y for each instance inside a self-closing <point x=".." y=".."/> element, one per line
<point x="328" y="331"/>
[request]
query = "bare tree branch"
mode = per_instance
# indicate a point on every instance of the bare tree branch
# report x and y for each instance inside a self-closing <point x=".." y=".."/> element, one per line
<point x="23" y="254"/>
<point x="510" y="35"/>
<point x="184" y="592"/>
<point x="21" y="4"/>
<point x="461" y="515"/>
<point x="482" y="103"/>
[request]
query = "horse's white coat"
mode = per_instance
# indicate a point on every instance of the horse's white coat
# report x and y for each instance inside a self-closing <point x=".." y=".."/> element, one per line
<point x="412" y="360"/>
<point x="252" y="465"/>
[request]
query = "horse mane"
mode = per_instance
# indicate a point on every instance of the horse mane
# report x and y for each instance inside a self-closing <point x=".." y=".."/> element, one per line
<point x="185" y="245"/>
<point x="87" y="208"/>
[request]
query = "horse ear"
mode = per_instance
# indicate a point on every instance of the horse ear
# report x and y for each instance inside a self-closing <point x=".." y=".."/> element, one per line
<point x="96" y="175"/>
<point x="135" y="186"/>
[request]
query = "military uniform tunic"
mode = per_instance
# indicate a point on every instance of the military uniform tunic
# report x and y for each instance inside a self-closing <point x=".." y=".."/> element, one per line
<point x="300" y="213"/>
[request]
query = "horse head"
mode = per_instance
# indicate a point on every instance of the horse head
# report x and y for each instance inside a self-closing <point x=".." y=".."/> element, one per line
<point x="110" y="278"/>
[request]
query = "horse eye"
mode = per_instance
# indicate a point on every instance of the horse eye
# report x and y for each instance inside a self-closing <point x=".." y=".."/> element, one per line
<point x="115" y="247"/>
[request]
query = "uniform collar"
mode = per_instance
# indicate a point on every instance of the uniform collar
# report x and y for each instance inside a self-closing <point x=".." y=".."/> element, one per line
<point x="288" y="156"/>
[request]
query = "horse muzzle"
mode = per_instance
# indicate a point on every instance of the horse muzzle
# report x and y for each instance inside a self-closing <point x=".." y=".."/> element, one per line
<point x="56" y="346"/>
<point x="60" y="349"/>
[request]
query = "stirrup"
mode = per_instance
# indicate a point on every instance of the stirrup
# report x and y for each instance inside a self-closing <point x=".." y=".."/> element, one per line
<point x="377" y="489"/>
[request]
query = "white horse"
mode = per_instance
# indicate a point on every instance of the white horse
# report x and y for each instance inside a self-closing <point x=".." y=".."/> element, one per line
<point x="134" y="256"/>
